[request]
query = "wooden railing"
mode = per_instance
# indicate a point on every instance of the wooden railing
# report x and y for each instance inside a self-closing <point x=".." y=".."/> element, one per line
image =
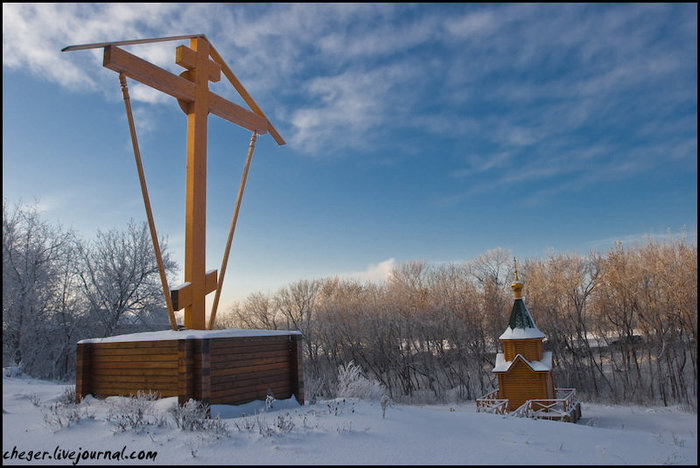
<point x="490" y="404"/>
<point x="564" y="408"/>
<point x="522" y="410"/>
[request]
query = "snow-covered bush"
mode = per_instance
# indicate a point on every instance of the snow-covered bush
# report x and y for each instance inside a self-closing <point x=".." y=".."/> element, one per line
<point x="269" y="401"/>
<point x="353" y="384"/>
<point x="194" y="416"/>
<point x="68" y="396"/>
<point x="62" y="413"/>
<point x="12" y="371"/>
<point x="189" y="416"/>
<point x="385" y="402"/>
<point x="313" y="387"/>
<point x="58" y="416"/>
<point x="34" y="398"/>
<point x="283" y="424"/>
<point x="134" y="412"/>
<point x="338" y="406"/>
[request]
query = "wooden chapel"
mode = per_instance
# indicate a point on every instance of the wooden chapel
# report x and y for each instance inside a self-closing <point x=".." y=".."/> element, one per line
<point x="524" y="371"/>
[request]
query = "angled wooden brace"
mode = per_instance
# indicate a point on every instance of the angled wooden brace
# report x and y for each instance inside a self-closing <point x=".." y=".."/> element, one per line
<point x="146" y="201"/>
<point x="232" y="229"/>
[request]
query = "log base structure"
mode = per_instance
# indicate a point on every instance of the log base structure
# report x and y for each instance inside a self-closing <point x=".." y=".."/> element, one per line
<point x="214" y="367"/>
<point x="524" y="372"/>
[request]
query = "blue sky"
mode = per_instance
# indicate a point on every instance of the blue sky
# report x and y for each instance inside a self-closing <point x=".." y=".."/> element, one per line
<point x="414" y="132"/>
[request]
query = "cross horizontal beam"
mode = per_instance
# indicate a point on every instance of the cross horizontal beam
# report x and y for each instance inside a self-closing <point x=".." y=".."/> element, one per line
<point x="145" y="72"/>
<point x="181" y="295"/>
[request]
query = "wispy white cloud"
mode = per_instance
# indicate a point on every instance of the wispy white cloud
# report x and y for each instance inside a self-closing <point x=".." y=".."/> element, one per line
<point x="641" y="238"/>
<point x="471" y="25"/>
<point x="378" y="272"/>
<point x="614" y="163"/>
<point x="34" y="34"/>
<point x="381" y="39"/>
<point x="348" y="108"/>
<point x="524" y="82"/>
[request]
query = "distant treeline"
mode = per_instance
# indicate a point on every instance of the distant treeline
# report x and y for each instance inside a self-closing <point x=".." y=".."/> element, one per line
<point x="622" y="325"/>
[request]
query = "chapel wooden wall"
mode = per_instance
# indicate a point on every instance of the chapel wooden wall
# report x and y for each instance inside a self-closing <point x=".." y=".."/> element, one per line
<point x="529" y="349"/>
<point x="520" y="384"/>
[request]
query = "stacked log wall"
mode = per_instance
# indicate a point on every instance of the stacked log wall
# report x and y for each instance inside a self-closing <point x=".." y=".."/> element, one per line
<point x="226" y="370"/>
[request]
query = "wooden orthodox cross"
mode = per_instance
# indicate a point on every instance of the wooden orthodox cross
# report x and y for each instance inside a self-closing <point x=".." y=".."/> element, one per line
<point x="191" y="88"/>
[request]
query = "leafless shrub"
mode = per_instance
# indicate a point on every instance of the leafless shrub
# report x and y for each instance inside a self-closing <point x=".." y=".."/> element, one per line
<point x="194" y="416"/>
<point x="135" y="412"/>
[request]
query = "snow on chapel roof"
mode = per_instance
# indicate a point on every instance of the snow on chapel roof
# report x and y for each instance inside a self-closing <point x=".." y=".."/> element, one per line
<point x="545" y="364"/>
<point x="521" y="326"/>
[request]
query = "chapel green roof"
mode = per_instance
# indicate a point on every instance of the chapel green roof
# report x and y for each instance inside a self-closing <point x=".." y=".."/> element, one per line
<point x="520" y="317"/>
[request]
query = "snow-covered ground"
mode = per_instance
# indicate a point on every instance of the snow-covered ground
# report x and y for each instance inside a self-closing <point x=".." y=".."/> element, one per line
<point x="342" y="431"/>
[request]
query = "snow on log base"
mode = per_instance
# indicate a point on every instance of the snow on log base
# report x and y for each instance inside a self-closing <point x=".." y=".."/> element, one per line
<point x="215" y="367"/>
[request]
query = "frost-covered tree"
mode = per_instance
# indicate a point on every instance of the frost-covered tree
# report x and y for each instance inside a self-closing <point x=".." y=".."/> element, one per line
<point x="41" y="311"/>
<point x="296" y="304"/>
<point x="58" y="290"/>
<point x="119" y="276"/>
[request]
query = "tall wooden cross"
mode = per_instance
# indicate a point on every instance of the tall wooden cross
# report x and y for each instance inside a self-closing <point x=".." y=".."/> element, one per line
<point x="191" y="88"/>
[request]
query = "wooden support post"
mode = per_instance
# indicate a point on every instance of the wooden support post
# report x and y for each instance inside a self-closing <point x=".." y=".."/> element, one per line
<point x="185" y="370"/>
<point x="83" y="371"/>
<point x="196" y="192"/>
<point x="297" y="367"/>
<point x="202" y="371"/>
